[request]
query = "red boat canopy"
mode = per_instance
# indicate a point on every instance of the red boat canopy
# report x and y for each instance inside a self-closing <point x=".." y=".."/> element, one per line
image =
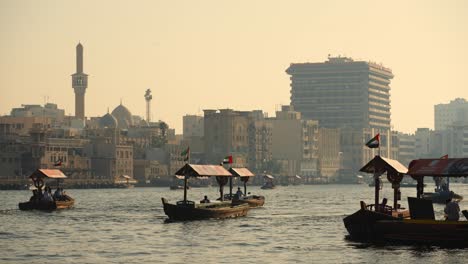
<point x="195" y="170"/>
<point x="46" y="173"/>
<point x="241" y="172"/>
<point x="439" y="167"/>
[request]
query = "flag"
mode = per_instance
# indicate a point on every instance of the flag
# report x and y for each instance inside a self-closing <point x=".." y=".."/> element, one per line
<point x="227" y="159"/>
<point x="444" y="156"/>
<point x="374" y="142"/>
<point x="186" y="154"/>
<point x="58" y="163"/>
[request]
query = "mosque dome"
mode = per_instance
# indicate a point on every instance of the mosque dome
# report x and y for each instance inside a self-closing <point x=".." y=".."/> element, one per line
<point x="144" y="123"/>
<point x="123" y="116"/>
<point x="108" y="120"/>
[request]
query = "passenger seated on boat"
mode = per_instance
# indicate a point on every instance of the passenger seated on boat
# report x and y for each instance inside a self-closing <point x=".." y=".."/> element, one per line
<point x="47" y="196"/>
<point x="452" y="210"/>
<point x="238" y="194"/>
<point x="205" y="200"/>
<point x="383" y="207"/>
<point x="58" y="194"/>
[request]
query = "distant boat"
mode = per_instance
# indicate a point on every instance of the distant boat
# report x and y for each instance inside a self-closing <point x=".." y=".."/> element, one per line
<point x="268" y="182"/>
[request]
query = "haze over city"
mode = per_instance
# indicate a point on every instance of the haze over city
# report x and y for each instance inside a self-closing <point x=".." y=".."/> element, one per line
<point x="197" y="55"/>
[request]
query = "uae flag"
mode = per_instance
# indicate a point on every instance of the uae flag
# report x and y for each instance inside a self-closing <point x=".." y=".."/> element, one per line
<point x="186" y="154"/>
<point x="58" y="163"/>
<point x="227" y="160"/>
<point x="374" y="142"/>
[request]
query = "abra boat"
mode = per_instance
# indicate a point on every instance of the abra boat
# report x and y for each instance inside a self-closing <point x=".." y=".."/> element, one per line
<point x="268" y="182"/>
<point x="39" y="177"/>
<point x="252" y="200"/>
<point x="189" y="210"/>
<point x="377" y="223"/>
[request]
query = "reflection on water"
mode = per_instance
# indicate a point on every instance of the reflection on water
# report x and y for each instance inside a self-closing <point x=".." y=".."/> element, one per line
<point x="300" y="224"/>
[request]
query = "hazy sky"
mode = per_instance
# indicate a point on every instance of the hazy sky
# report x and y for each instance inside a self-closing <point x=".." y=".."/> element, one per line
<point x="197" y="55"/>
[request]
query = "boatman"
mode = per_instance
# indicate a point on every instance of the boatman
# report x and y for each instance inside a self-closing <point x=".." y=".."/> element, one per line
<point x="452" y="211"/>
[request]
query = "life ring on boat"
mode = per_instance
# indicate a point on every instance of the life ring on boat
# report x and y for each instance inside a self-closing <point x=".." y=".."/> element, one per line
<point x="39" y="183"/>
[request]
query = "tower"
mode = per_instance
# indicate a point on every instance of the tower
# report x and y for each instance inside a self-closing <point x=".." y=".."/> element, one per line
<point x="148" y="98"/>
<point x="79" y="84"/>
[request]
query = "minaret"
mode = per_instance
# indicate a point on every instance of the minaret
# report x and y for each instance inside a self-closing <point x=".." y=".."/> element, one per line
<point x="79" y="84"/>
<point x="148" y="98"/>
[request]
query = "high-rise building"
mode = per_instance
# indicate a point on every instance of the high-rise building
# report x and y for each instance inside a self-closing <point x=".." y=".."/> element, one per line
<point x="449" y="114"/>
<point x="79" y="84"/>
<point x="342" y="93"/>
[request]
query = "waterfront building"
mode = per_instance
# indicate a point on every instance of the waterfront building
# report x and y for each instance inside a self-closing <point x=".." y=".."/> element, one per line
<point x="407" y="147"/>
<point x="347" y="94"/>
<point x="449" y="114"/>
<point x="329" y="153"/>
<point x="342" y="92"/>
<point x="193" y="126"/>
<point x="48" y="110"/>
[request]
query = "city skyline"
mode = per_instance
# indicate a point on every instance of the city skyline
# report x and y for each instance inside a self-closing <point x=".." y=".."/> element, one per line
<point x="210" y="55"/>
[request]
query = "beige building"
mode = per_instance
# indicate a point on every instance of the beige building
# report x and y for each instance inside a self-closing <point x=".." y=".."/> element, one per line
<point x="329" y="153"/>
<point x="226" y="133"/>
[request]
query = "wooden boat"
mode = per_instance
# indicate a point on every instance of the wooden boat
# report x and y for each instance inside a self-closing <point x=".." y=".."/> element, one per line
<point x="177" y="187"/>
<point x="442" y="192"/>
<point x="268" y="182"/>
<point x="252" y="200"/>
<point x="377" y="223"/>
<point x="35" y="203"/>
<point x="189" y="210"/>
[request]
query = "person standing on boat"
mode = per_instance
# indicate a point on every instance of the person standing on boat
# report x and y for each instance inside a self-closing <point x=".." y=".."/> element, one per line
<point x="452" y="211"/>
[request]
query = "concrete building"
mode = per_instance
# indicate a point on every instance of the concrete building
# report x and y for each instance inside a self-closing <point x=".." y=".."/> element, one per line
<point x="347" y="94"/>
<point x="193" y="126"/>
<point x="260" y="136"/>
<point x="226" y="133"/>
<point x="422" y="147"/>
<point x="48" y="110"/>
<point x="407" y="147"/>
<point x="79" y="84"/>
<point x="329" y="152"/>
<point x="295" y="144"/>
<point x="342" y="93"/>
<point x="449" y="114"/>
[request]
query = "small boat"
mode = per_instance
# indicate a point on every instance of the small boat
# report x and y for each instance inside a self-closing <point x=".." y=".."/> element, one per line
<point x="252" y="200"/>
<point x="35" y="203"/>
<point x="268" y="182"/>
<point x="125" y="181"/>
<point x="177" y="187"/>
<point x="189" y="210"/>
<point x="381" y="223"/>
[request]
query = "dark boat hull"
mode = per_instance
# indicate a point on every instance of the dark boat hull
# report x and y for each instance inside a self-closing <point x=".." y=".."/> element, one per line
<point x="370" y="226"/>
<point x="47" y="206"/>
<point x="180" y="212"/>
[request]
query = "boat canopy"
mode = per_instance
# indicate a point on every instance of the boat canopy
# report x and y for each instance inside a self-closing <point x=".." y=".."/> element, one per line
<point x="439" y="167"/>
<point x="196" y="170"/>
<point x="47" y="173"/>
<point x="380" y="165"/>
<point x="269" y="176"/>
<point x="241" y="172"/>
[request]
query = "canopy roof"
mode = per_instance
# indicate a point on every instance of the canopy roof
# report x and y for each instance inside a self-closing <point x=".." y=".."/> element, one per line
<point x="439" y="167"/>
<point x="195" y="170"/>
<point x="241" y="172"/>
<point x="48" y="173"/>
<point x="381" y="165"/>
<point x="269" y="176"/>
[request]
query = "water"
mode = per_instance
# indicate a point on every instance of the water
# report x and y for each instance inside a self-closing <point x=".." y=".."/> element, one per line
<point x="299" y="224"/>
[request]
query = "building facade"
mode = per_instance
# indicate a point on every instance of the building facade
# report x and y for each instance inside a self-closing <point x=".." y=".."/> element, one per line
<point x="453" y="113"/>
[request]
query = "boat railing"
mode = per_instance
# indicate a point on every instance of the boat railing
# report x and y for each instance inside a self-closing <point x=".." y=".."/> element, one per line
<point x="380" y="208"/>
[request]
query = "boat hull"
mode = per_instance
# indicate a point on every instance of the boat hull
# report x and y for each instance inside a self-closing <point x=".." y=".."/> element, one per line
<point x="253" y="201"/>
<point x="370" y="226"/>
<point x="47" y="206"/>
<point x="441" y="197"/>
<point x="182" y="212"/>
